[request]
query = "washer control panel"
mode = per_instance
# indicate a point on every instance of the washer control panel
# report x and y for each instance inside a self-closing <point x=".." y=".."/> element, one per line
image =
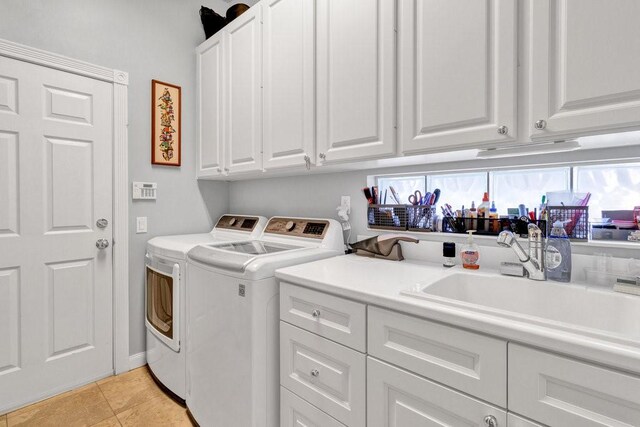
<point x="297" y="227"/>
<point x="237" y="222"/>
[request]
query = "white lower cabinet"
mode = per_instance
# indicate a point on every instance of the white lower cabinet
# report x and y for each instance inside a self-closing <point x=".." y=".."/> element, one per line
<point x="297" y="412"/>
<point x="563" y="392"/>
<point x="417" y="373"/>
<point x="396" y="398"/>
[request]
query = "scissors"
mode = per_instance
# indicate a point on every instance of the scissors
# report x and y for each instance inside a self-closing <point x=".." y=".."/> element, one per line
<point x="415" y="198"/>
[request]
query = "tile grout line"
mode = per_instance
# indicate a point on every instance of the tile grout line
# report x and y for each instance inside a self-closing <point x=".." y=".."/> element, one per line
<point x="110" y="407"/>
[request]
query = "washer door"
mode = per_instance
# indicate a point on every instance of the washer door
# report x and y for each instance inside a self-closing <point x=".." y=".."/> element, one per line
<point x="162" y="297"/>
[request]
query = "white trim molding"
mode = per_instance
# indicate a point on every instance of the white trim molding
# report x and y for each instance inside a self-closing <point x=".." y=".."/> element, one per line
<point x="137" y="360"/>
<point x="120" y="224"/>
<point x="120" y="80"/>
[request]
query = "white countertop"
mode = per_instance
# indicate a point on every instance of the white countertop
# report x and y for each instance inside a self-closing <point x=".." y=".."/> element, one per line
<point x="380" y="282"/>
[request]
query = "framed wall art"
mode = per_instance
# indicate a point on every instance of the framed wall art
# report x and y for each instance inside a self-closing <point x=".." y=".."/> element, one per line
<point x="166" y="117"/>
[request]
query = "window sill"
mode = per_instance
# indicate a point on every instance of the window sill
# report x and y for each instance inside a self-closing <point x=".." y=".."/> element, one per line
<point x="441" y="237"/>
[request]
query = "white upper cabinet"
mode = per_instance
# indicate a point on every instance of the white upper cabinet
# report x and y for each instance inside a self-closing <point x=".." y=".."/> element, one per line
<point x="585" y="57"/>
<point x="288" y="80"/>
<point x="210" y="107"/>
<point x="243" y="77"/>
<point x="457" y="73"/>
<point x="355" y="79"/>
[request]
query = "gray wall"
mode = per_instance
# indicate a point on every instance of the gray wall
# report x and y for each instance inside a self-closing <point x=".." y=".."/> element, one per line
<point x="128" y="35"/>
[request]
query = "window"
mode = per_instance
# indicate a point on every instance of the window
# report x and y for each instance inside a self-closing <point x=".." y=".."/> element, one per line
<point x="514" y="187"/>
<point x="459" y="189"/>
<point x="403" y="185"/>
<point x="612" y="187"/>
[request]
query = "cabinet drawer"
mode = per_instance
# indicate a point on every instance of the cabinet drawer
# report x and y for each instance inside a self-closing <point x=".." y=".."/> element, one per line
<point x="516" y="421"/>
<point x="332" y="317"/>
<point x="327" y="375"/>
<point x="396" y="398"/>
<point x="472" y="363"/>
<point x="296" y="412"/>
<point x="559" y="391"/>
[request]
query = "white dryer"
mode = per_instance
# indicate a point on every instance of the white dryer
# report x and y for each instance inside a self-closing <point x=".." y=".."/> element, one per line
<point x="165" y="295"/>
<point x="233" y="301"/>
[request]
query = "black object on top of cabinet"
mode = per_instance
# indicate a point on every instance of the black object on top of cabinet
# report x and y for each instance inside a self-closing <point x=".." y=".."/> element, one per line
<point x="211" y="21"/>
<point x="236" y="10"/>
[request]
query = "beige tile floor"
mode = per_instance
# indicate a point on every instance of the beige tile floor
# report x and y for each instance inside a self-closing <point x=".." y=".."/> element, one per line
<point x="130" y="399"/>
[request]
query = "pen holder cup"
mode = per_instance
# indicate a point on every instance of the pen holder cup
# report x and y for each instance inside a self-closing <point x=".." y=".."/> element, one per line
<point x="577" y="228"/>
<point x="387" y="217"/>
<point x="421" y="218"/>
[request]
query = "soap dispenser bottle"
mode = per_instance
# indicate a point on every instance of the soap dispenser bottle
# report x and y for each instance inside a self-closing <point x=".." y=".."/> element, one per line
<point x="470" y="253"/>
<point x="558" y="258"/>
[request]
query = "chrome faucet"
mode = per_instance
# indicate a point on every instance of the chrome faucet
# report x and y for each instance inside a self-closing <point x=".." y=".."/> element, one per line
<point x="533" y="262"/>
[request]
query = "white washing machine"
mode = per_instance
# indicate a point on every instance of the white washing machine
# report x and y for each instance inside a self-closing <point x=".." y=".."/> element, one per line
<point x="165" y="295"/>
<point x="233" y="338"/>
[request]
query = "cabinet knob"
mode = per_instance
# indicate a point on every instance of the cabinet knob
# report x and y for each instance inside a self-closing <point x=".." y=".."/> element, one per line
<point x="490" y="421"/>
<point x="540" y="124"/>
<point x="307" y="162"/>
<point x="316" y="313"/>
<point x="503" y="130"/>
<point x="322" y="156"/>
<point x="315" y="373"/>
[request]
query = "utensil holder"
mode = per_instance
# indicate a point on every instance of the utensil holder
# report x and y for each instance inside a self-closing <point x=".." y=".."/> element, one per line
<point x="420" y="218"/>
<point x="577" y="228"/>
<point x="387" y="217"/>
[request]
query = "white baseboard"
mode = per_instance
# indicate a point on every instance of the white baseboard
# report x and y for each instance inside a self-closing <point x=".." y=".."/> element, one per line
<point x="137" y="360"/>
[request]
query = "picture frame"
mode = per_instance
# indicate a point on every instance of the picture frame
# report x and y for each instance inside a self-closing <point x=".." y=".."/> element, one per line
<point x="166" y="124"/>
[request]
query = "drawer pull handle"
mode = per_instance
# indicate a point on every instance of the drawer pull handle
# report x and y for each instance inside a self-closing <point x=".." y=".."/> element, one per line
<point x="315" y="372"/>
<point x="315" y="313"/>
<point x="490" y="421"/>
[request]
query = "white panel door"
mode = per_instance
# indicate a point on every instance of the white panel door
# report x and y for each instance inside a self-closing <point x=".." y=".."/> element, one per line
<point x="396" y="398"/>
<point x="243" y="78"/>
<point x="210" y="106"/>
<point x="55" y="183"/>
<point x="355" y="79"/>
<point x="457" y="73"/>
<point x="585" y="56"/>
<point x="288" y="80"/>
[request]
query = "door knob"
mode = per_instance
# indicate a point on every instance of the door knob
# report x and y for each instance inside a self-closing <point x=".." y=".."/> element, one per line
<point x="102" y="244"/>
<point x="102" y="223"/>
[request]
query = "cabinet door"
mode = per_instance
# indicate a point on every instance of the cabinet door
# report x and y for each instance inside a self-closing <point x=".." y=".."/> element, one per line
<point x="396" y="398"/>
<point x="356" y="79"/>
<point x="289" y="101"/>
<point x="243" y="78"/>
<point x="457" y="73"/>
<point x="209" y="106"/>
<point x="585" y="56"/>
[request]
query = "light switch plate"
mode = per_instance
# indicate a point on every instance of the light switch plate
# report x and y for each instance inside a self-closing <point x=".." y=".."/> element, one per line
<point x="141" y="224"/>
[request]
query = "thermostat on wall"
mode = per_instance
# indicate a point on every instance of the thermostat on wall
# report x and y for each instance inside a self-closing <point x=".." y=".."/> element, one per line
<point x="144" y="190"/>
